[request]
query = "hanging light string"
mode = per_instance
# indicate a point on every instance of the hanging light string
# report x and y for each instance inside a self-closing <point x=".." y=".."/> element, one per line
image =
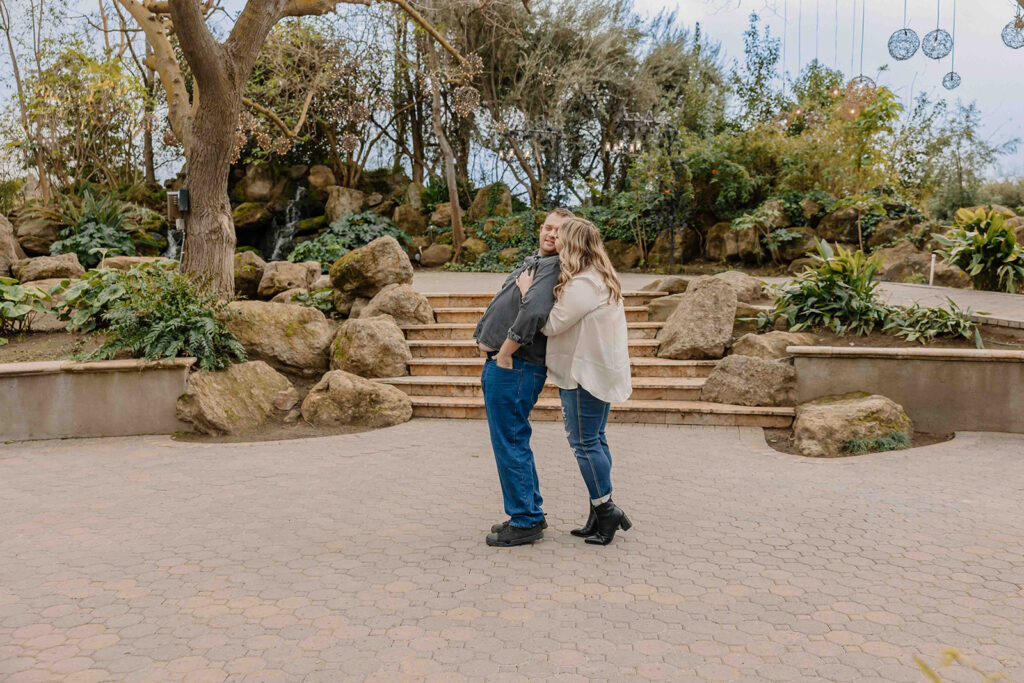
<point x="863" y="12"/>
<point x="817" y="26"/>
<point x="799" y="37"/>
<point x="853" y="38"/>
<point x="952" y="57"/>
<point x="785" y="31"/>
<point x="835" y="42"/>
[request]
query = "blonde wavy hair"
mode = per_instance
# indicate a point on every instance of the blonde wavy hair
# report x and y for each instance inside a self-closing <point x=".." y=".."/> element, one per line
<point x="582" y="248"/>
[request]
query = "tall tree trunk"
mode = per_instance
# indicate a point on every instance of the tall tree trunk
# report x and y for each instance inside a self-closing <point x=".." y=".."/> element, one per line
<point x="449" y="158"/>
<point x="147" y="126"/>
<point x="210" y="232"/>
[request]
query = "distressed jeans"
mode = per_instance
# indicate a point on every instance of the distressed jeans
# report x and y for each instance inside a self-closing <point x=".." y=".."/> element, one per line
<point x="509" y="396"/>
<point x="585" y="417"/>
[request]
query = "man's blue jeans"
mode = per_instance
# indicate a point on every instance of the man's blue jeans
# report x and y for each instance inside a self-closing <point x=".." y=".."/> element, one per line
<point x="509" y="396"/>
<point x="585" y="418"/>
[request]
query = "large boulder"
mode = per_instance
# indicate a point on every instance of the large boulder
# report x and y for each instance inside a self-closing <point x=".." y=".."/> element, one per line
<point x="442" y="215"/>
<point x="722" y="243"/>
<point x="481" y="206"/>
<point x="341" y="398"/>
<point x="401" y="302"/>
<point x="775" y="215"/>
<point x="46" y="267"/>
<point x="249" y="269"/>
<point x="623" y="255"/>
<point x="238" y="399"/>
<point x="129" y="262"/>
<point x="280" y="276"/>
<point x="509" y="256"/>
<point x="36" y="235"/>
<point x="288" y="295"/>
<point x="672" y="284"/>
<point x="410" y="219"/>
<point x="687" y="247"/>
<point x="473" y="248"/>
<point x="342" y="200"/>
<point x="250" y="216"/>
<point x="367" y="270"/>
<point x="890" y="230"/>
<point x="701" y="325"/>
<point x="840" y="226"/>
<point x="811" y="210"/>
<point x="661" y="309"/>
<point x="771" y="345"/>
<point x="311" y="226"/>
<point x="414" y="195"/>
<point x="371" y="347"/>
<point x="10" y="250"/>
<point x="890" y="256"/>
<point x="259" y="184"/>
<point x="321" y="177"/>
<point x="436" y="255"/>
<point x="749" y="381"/>
<point x="795" y="248"/>
<point x="288" y="337"/>
<point x="903" y="263"/>
<point x="823" y="426"/>
<point x="748" y="289"/>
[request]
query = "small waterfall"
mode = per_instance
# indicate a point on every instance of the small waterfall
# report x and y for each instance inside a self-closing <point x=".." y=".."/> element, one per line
<point x="175" y="240"/>
<point x="282" y="234"/>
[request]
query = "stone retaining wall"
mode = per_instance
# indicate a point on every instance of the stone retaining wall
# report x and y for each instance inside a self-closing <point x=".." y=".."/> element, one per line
<point x="942" y="390"/>
<point x="58" y="399"/>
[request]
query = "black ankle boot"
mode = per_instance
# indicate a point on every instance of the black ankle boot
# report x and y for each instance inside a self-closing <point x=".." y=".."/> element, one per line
<point x="610" y="519"/>
<point x="588" y="528"/>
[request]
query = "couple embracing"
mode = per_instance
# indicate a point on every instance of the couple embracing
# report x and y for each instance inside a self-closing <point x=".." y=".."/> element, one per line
<point x="560" y="315"/>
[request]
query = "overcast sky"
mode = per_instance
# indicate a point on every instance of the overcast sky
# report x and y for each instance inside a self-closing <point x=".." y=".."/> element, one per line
<point x="992" y="73"/>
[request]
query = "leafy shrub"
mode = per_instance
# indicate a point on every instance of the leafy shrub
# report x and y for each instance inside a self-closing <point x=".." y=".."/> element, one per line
<point x="10" y="195"/>
<point x="320" y="299"/>
<point x="326" y="249"/>
<point x="350" y="231"/>
<point x="917" y="323"/>
<point x="837" y="292"/>
<point x="85" y="301"/>
<point x="623" y="216"/>
<point x="436" y="192"/>
<point x="986" y="248"/>
<point x="890" y="442"/>
<point x="18" y="306"/>
<point x="162" y="313"/>
<point x="98" y="229"/>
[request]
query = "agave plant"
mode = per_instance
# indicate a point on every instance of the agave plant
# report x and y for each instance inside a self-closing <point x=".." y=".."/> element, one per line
<point x="986" y="248"/>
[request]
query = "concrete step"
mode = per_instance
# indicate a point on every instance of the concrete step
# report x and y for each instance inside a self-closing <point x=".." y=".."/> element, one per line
<point x="466" y="386"/>
<point x="445" y="331"/>
<point x="640" y="367"/>
<point x="481" y="299"/>
<point x="467" y="348"/>
<point x="461" y="314"/>
<point x="648" y="412"/>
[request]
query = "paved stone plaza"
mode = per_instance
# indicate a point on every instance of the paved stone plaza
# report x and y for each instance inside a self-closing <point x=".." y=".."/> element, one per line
<point x="362" y="556"/>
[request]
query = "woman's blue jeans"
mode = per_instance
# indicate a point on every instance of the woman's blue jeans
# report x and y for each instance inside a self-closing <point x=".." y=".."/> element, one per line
<point x="585" y="417"/>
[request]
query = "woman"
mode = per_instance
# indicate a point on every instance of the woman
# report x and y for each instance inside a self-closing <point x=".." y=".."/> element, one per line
<point x="588" y="360"/>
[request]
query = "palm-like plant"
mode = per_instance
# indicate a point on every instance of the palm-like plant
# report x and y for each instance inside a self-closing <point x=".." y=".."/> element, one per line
<point x="983" y="245"/>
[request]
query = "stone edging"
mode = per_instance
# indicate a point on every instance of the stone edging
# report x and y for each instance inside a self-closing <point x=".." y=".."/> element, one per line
<point x="907" y="354"/>
<point x="57" y="366"/>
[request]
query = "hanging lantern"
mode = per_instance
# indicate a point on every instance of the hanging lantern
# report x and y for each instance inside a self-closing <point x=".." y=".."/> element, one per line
<point x="951" y="81"/>
<point x="903" y="44"/>
<point x="860" y="92"/>
<point x="815" y="119"/>
<point x="849" y="111"/>
<point x="1013" y="33"/>
<point x="937" y="44"/>
<point x="783" y="120"/>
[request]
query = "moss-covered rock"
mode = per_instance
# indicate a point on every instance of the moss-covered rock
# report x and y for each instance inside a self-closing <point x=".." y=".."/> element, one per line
<point x="250" y="216"/>
<point x="824" y="426"/>
<point x="309" y="226"/>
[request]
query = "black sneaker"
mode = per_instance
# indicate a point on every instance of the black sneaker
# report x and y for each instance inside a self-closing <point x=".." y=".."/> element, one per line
<point x="498" y="527"/>
<point x="513" y="535"/>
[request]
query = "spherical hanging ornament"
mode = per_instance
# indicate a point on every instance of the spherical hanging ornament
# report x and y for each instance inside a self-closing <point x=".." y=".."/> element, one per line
<point x="860" y="92"/>
<point x="815" y="119"/>
<point x="937" y="44"/>
<point x="951" y="81"/>
<point x="1013" y="33"/>
<point x="903" y="44"/>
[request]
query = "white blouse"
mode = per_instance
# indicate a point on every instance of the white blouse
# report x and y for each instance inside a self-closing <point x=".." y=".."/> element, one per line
<point x="587" y="340"/>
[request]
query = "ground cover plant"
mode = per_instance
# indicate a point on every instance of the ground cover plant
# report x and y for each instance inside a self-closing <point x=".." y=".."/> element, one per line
<point x="350" y="231"/>
<point x="986" y="248"/>
<point x="18" y="306"/>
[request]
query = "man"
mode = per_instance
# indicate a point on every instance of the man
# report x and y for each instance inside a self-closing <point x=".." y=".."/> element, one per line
<point x="512" y="378"/>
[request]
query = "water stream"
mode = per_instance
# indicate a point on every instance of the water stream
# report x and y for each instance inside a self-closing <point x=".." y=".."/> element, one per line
<point x="282" y="231"/>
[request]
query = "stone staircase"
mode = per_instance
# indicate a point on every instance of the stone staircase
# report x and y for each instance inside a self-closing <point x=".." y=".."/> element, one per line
<point x="444" y="374"/>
